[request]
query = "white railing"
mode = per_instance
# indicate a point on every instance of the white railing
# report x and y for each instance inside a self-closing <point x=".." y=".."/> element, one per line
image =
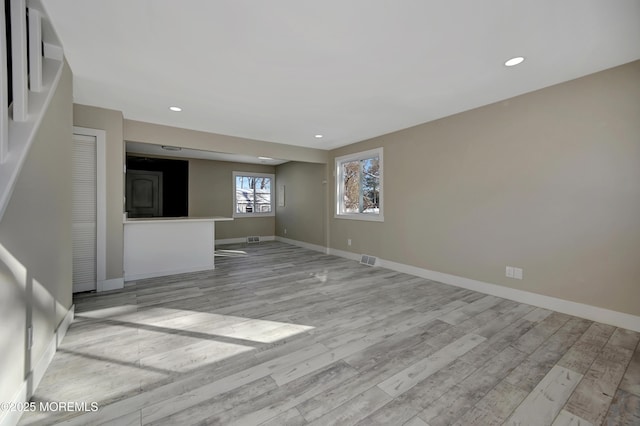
<point x="36" y="65"/>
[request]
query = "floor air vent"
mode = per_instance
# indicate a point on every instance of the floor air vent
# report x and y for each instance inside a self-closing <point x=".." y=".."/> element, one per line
<point x="251" y="240"/>
<point x="368" y="260"/>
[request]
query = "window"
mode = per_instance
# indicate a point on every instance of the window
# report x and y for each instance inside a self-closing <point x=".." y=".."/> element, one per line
<point x="253" y="194"/>
<point x="359" y="186"/>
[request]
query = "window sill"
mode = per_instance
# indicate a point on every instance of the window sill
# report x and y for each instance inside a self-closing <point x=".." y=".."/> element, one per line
<point x="248" y="215"/>
<point x="364" y="217"/>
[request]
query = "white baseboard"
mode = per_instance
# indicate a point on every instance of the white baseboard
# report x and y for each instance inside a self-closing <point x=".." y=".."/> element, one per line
<point x="30" y="384"/>
<point x="303" y="244"/>
<point x="346" y="254"/>
<point x="64" y="325"/>
<point x="112" y="284"/>
<point x="593" y="313"/>
<point x="243" y="240"/>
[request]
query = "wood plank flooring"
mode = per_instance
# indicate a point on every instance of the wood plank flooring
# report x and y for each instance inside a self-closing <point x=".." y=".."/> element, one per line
<point x="279" y="335"/>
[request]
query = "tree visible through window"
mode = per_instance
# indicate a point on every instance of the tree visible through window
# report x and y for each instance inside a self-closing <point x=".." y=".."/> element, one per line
<point x="253" y="194"/>
<point x="359" y="183"/>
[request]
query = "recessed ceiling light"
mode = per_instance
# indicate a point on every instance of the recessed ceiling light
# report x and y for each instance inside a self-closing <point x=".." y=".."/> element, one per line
<point x="514" y="61"/>
<point x="175" y="108"/>
<point x="319" y="136"/>
<point x="171" y="148"/>
<point x="265" y="158"/>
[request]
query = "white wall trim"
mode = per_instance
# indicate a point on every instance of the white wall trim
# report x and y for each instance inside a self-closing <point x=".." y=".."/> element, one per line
<point x="53" y="51"/>
<point x="303" y="244"/>
<point x="19" y="60"/>
<point x="243" y="239"/>
<point x="346" y="254"/>
<point x="108" y="285"/>
<point x="65" y="324"/>
<point x="30" y="384"/>
<point x="593" y="313"/>
<point x="101" y="200"/>
<point x="231" y="241"/>
<point x="35" y="59"/>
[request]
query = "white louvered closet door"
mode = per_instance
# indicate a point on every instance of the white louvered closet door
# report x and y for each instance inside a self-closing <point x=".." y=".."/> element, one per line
<point x="84" y="213"/>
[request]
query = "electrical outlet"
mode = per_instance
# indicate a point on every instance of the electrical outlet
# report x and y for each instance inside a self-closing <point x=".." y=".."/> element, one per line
<point x="517" y="273"/>
<point x="285" y="231"/>
<point x="348" y="241"/>
<point x="509" y="272"/>
<point x="513" y="272"/>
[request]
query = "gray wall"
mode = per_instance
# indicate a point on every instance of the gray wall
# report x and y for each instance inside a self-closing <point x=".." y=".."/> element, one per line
<point x="35" y="245"/>
<point x="303" y="215"/>
<point x="548" y="181"/>
<point x="211" y="194"/>
<point x="111" y="122"/>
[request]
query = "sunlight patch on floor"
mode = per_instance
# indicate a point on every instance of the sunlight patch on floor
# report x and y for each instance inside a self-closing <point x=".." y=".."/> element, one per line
<point x="230" y="253"/>
<point x="198" y="324"/>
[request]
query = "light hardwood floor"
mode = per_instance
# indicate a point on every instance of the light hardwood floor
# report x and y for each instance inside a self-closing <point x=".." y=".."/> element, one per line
<point x="280" y="335"/>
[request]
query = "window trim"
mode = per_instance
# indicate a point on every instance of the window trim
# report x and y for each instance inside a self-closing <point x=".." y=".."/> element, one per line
<point x="273" y="195"/>
<point x="338" y="214"/>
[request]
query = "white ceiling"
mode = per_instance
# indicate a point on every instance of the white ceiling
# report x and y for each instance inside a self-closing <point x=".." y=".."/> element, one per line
<point x="285" y="70"/>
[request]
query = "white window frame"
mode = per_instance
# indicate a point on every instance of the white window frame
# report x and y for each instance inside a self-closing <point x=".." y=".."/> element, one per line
<point x="339" y="210"/>
<point x="273" y="195"/>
